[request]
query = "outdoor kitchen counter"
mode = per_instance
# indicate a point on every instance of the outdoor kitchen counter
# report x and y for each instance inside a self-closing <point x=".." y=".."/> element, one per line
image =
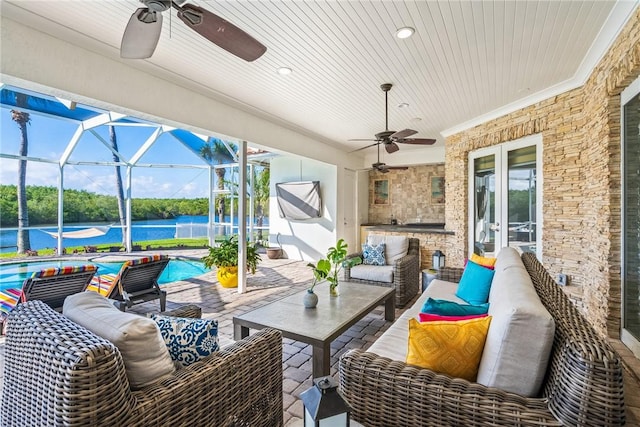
<point x="432" y="237"/>
<point x="409" y="228"/>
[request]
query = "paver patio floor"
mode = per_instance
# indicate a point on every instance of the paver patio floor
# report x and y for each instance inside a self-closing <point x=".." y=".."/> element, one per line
<point x="276" y="279"/>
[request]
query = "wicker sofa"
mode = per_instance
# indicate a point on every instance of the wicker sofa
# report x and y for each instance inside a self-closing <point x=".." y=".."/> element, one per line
<point x="404" y="277"/>
<point x="60" y="374"/>
<point x="582" y="385"/>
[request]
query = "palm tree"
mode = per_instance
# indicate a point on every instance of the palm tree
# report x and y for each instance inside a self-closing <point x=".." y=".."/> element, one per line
<point x="119" y="188"/>
<point x="22" y="119"/>
<point x="216" y="151"/>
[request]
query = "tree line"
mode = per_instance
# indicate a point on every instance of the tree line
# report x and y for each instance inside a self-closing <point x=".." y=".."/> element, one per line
<point x="84" y="206"/>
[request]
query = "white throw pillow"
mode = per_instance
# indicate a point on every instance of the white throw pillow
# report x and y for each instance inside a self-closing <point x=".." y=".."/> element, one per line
<point x="145" y="355"/>
<point x="395" y="246"/>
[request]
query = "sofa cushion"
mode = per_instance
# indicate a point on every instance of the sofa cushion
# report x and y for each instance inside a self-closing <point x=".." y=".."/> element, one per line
<point x="488" y="262"/>
<point x="453" y="348"/>
<point x="395" y="246"/>
<point x="475" y="283"/>
<point x="188" y="340"/>
<point x="519" y="341"/>
<point x="373" y="254"/>
<point x="374" y="273"/>
<point x="450" y="308"/>
<point x="428" y="317"/>
<point x="144" y="353"/>
<point x="393" y="343"/>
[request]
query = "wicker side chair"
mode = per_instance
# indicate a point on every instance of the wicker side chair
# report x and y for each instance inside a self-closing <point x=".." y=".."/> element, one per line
<point x="583" y="385"/>
<point x="406" y="274"/>
<point x="59" y="373"/>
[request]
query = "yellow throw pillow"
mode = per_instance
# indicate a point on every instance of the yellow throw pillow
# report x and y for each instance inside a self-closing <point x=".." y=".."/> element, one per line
<point x="448" y="347"/>
<point x="483" y="260"/>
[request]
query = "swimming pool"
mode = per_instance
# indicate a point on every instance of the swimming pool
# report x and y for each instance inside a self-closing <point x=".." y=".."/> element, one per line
<point x="12" y="275"/>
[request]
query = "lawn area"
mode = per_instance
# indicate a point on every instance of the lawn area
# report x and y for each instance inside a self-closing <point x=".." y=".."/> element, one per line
<point x="148" y="245"/>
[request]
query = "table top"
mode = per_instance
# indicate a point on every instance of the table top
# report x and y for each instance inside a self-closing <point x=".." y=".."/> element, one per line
<point x="327" y="320"/>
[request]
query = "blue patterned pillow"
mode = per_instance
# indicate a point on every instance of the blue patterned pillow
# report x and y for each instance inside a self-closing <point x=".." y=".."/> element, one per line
<point x="373" y="255"/>
<point x="187" y="339"/>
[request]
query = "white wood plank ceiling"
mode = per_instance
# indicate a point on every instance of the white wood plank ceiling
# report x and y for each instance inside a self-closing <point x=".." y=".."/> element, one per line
<point x="466" y="58"/>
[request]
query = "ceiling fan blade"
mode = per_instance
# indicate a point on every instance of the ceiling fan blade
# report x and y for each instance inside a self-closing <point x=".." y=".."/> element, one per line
<point x="221" y="32"/>
<point x="363" y="148"/>
<point x="391" y="147"/>
<point x="398" y="168"/>
<point x="418" y="141"/>
<point x="401" y="134"/>
<point x="141" y="35"/>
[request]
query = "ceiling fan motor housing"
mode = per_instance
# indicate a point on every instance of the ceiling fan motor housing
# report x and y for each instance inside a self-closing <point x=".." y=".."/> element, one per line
<point x="157" y="5"/>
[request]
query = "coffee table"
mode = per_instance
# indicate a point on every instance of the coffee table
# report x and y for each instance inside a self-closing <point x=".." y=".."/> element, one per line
<point x="321" y="325"/>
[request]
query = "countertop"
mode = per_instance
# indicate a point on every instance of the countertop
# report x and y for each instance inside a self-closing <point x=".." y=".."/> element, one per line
<point x="434" y="228"/>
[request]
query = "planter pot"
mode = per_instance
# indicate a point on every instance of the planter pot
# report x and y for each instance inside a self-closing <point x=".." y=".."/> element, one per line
<point x="228" y="277"/>
<point x="274" y="253"/>
<point x="333" y="291"/>
<point x="310" y="299"/>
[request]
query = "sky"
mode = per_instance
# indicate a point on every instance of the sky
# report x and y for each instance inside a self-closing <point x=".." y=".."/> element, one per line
<point x="48" y="138"/>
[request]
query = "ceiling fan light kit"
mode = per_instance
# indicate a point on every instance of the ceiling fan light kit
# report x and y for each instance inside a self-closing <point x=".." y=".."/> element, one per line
<point x="142" y="33"/>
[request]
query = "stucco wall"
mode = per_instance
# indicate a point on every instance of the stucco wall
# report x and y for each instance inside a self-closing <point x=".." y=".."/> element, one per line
<point x="581" y="171"/>
<point x="305" y="239"/>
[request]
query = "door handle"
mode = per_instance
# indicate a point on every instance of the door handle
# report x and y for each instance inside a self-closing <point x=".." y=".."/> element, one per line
<point x="495" y="227"/>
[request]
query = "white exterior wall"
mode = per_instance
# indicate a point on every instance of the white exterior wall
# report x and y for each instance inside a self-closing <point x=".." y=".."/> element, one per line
<point x="305" y="239"/>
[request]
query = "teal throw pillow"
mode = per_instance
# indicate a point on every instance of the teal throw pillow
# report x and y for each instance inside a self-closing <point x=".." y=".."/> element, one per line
<point x="373" y="254"/>
<point x="450" y="308"/>
<point x="475" y="283"/>
<point x="188" y="340"/>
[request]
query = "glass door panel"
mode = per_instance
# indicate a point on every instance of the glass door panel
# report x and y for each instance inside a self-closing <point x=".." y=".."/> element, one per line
<point x="631" y="223"/>
<point x="521" y="198"/>
<point x="504" y="197"/>
<point x="485" y="227"/>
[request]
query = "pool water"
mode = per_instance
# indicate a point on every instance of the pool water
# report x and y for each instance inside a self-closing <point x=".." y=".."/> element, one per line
<point x="12" y="275"/>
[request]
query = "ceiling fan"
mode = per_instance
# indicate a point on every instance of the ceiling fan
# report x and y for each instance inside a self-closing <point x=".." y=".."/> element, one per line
<point x="143" y="30"/>
<point x="391" y="138"/>
<point x="382" y="167"/>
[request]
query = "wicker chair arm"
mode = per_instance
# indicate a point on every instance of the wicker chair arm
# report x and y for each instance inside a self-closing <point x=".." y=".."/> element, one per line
<point x="241" y="385"/>
<point x="383" y="392"/>
<point x="190" y="310"/>
<point x="450" y="274"/>
<point x="346" y="270"/>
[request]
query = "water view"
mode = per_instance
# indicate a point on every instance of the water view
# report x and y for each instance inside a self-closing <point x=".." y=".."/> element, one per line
<point x="141" y="231"/>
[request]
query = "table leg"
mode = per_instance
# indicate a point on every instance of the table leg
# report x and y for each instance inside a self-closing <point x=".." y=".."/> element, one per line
<point x="321" y="360"/>
<point x="390" y="308"/>
<point x="240" y="332"/>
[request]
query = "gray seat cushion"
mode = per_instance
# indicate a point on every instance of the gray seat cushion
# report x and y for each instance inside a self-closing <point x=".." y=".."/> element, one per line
<point x="395" y="246"/>
<point x="520" y="337"/>
<point x="374" y="273"/>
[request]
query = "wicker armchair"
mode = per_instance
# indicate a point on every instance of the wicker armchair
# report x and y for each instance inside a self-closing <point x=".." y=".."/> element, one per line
<point x="406" y="274"/>
<point x="583" y="384"/>
<point x="58" y="373"/>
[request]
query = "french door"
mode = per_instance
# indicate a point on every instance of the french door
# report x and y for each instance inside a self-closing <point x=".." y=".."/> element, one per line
<point x="630" y="334"/>
<point x="505" y="197"/>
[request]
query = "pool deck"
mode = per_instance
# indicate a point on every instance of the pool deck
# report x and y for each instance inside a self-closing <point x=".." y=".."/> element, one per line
<point x="276" y="279"/>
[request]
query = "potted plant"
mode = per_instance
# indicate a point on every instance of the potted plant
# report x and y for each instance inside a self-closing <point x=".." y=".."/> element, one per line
<point x="329" y="268"/>
<point x="225" y="258"/>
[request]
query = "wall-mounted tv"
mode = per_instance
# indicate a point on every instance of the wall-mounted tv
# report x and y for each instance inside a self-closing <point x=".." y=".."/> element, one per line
<point x="299" y="200"/>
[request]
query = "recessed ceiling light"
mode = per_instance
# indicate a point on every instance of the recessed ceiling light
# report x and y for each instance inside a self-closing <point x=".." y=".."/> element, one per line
<point x="283" y="71"/>
<point x="405" y="32"/>
<point x="403" y="105"/>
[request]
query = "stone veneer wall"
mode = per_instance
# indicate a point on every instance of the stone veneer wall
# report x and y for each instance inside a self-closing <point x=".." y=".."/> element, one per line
<point x="581" y="173"/>
<point x="409" y="195"/>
